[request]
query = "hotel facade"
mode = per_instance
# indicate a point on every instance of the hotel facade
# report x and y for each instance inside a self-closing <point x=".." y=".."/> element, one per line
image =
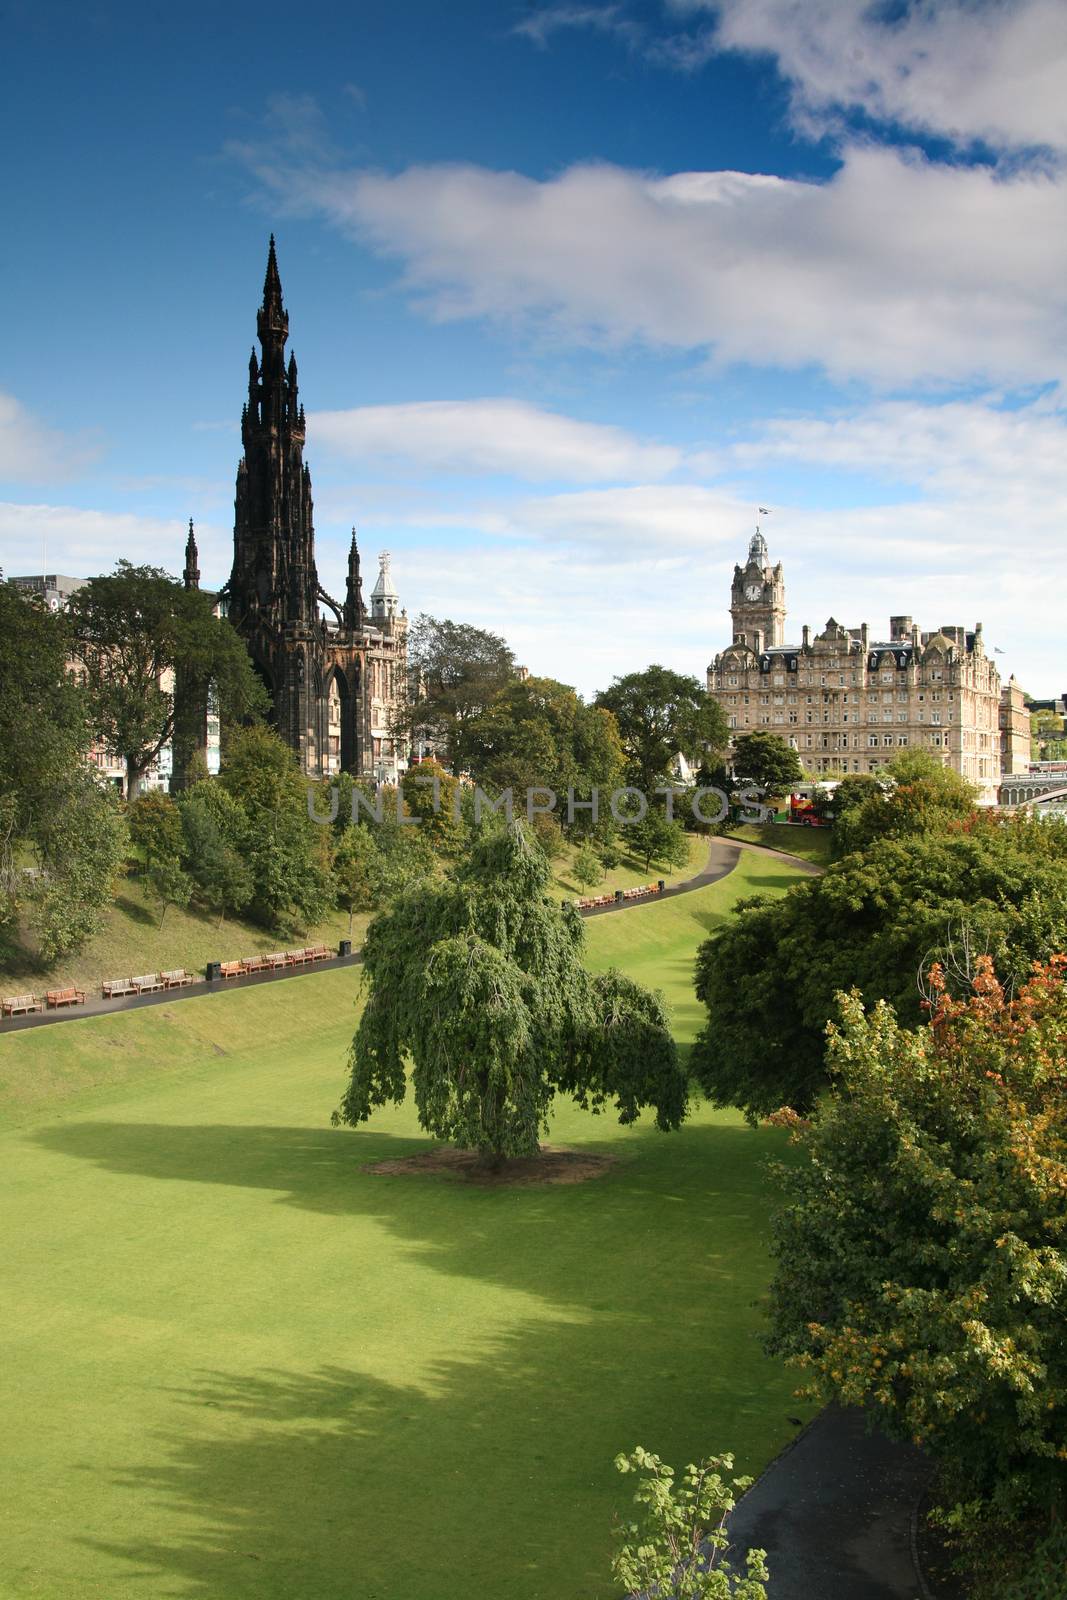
<point x="849" y="700"/>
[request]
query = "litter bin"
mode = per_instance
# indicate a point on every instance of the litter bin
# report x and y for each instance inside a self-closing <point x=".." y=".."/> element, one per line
<point x="213" y="971"/>
<point x="345" y="947"/>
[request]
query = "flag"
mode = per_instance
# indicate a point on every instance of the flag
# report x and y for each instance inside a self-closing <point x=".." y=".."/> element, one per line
<point x="763" y="511"/>
<point x="997" y="651"/>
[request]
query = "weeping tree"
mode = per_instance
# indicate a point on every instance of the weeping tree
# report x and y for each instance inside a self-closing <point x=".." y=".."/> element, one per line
<point x="477" y="982"/>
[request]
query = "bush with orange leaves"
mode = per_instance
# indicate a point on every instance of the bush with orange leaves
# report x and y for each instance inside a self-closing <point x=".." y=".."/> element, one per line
<point x="922" y="1250"/>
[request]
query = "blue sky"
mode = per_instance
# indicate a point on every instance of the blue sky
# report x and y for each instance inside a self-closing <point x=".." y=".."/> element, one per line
<point x="573" y="288"/>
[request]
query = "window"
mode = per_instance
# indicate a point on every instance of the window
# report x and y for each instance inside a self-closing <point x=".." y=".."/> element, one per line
<point x="872" y="741"/>
<point x="902" y="739"/>
<point x="732" y="680"/>
<point x="887" y="740"/>
<point x="779" y="679"/>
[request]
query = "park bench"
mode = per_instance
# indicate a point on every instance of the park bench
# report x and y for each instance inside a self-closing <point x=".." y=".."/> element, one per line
<point x="113" y="988"/>
<point x="18" y="1004"/>
<point x="296" y="958"/>
<point x="65" y="997"/>
<point x="252" y="964"/>
<point x="177" y="979"/>
<point x="147" y="983"/>
<point x="230" y="969"/>
<point x="316" y="952"/>
<point x="277" y="958"/>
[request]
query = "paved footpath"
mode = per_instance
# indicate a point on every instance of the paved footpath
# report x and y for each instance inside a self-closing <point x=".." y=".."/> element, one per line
<point x="835" y="1514"/>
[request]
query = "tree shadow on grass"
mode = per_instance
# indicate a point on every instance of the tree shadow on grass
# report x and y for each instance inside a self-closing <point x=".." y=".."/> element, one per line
<point x="688" y="1207"/>
<point x="492" y="1475"/>
<point x="136" y="910"/>
<point x="493" y="1479"/>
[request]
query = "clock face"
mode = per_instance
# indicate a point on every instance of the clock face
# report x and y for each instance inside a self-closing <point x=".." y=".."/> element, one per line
<point x="753" y="591"/>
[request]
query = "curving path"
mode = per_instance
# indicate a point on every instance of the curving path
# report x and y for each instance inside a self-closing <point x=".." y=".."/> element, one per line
<point x="723" y="856"/>
<point x="836" y="1514"/>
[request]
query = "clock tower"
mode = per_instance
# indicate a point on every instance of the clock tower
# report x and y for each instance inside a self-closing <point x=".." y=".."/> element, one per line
<point x="757" y="599"/>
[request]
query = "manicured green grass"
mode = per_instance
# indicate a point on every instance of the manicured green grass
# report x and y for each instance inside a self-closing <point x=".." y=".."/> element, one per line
<point x="631" y="871"/>
<point x="810" y="844"/>
<point x="237" y="1365"/>
<point x="657" y="944"/>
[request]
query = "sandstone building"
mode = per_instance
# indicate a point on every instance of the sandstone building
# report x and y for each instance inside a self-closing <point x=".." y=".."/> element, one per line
<point x="849" y="701"/>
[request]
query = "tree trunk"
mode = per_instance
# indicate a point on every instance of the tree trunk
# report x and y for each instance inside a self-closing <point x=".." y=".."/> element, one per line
<point x="133" y="781"/>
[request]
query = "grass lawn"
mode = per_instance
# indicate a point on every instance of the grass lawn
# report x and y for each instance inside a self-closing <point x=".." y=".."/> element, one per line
<point x="810" y="844"/>
<point x="630" y="872"/>
<point x="238" y="1366"/>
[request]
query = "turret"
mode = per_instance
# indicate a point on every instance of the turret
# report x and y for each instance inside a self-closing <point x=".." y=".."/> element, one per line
<point x="383" y="597"/>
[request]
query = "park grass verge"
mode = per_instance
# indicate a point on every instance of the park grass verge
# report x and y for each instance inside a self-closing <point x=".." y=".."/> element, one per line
<point x="808" y="844"/>
<point x="236" y="1365"/>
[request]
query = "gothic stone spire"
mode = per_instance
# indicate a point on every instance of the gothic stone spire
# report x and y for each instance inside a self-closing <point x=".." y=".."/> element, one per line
<point x="192" y="560"/>
<point x="354" y="592"/>
<point x="274" y="576"/>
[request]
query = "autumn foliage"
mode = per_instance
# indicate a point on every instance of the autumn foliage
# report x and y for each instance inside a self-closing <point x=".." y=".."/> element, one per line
<point x="922" y="1253"/>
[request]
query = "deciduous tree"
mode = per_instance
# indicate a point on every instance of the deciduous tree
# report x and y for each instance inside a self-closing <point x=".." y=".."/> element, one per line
<point x="663" y="714"/>
<point x="765" y="759"/>
<point x="922" y="1248"/>
<point x="134" y="629"/>
<point x="871" y="921"/>
<point x="454" y="671"/>
<point x="478" y="982"/>
<point x="677" y="1546"/>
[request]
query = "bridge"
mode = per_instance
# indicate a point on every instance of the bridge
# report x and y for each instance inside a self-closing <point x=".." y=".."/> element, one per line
<point x="1015" y="796"/>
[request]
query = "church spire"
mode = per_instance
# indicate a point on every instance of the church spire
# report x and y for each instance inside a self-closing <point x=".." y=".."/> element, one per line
<point x="192" y="560"/>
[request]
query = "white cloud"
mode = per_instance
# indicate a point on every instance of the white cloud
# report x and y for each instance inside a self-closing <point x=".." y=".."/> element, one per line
<point x="593" y="582"/>
<point x="541" y="24"/>
<point x="81" y="542"/>
<point x="963" y="449"/>
<point x="32" y="452"/>
<point x="491" y="436"/>
<point x="897" y="270"/>
<point x="991" y="70"/>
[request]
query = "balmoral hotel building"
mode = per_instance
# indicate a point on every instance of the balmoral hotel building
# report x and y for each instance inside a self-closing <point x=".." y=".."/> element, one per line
<point x="849" y="702"/>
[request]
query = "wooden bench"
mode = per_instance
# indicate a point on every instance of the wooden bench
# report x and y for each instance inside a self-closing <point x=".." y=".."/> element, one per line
<point x="147" y="983"/>
<point x="296" y="958"/>
<point x="177" y="979"/>
<point x="277" y="958"/>
<point x="316" y="952"/>
<point x="18" y="1004"/>
<point x="66" y="997"/>
<point x="230" y="969"/>
<point x="252" y="964"/>
<point x="113" y="988"/>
